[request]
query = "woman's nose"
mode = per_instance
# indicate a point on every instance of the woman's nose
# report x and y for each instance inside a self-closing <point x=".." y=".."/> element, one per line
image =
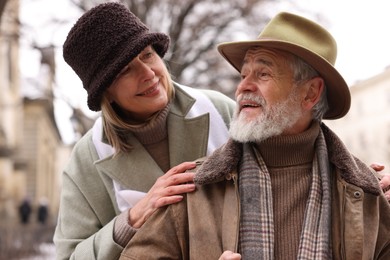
<point x="146" y="72"/>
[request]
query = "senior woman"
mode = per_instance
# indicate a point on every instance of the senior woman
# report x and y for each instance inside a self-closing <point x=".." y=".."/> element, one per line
<point x="133" y="159"/>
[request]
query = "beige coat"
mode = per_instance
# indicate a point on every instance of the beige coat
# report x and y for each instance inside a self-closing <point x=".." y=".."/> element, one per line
<point x="88" y="208"/>
<point x="207" y="222"/>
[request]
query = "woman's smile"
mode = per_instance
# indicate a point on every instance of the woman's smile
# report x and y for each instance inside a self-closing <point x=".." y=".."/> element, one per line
<point x="152" y="91"/>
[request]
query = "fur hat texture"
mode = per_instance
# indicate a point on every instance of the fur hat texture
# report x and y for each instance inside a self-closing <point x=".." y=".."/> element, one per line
<point x="102" y="42"/>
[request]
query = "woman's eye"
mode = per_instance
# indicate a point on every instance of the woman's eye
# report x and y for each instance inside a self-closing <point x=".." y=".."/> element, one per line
<point x="124" y="71"/>
<point x="148" y="55"/>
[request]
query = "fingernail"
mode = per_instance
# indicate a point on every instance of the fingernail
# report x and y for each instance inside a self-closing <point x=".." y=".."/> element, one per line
<point x="378" y="164"/>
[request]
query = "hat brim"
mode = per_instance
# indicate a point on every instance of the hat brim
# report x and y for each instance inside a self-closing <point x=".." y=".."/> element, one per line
<point x="125" y="53"/>
<point x="339" y="98"/>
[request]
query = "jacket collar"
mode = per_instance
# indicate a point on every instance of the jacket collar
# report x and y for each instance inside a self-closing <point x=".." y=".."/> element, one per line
<point x="125" y="168"/>
<point x="225" y="160"/>
<point x="352" y="170"/>
<point x="186" y="135"/>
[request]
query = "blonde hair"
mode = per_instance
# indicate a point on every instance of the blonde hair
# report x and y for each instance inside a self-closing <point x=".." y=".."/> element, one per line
<point x="116" y="128"/>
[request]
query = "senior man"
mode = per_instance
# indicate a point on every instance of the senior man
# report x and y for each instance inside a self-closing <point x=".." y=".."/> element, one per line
<point x="284" y="186"/>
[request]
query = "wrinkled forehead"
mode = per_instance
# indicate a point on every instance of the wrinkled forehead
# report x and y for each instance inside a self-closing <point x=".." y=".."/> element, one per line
<point x="267" y="56"/>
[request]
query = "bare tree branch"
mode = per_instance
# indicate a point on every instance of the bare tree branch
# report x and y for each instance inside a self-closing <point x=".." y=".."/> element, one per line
<point x="2" y="7"/>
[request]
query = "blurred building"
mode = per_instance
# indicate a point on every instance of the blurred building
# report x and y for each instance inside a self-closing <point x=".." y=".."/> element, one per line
<point x="43" y="152"/>
<point x="32" y="154"/>
<point x="11" y="112"/>
<point x="366" y="128"/>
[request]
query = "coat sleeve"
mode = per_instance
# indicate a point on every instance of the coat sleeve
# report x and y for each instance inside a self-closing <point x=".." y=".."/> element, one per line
<point x="86" y="216"/>
<point x="169" y="242"/>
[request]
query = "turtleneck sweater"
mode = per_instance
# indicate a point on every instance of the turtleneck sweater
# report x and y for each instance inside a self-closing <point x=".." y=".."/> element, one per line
<point x="154" y="137"/>
<point x="289" y="162"/>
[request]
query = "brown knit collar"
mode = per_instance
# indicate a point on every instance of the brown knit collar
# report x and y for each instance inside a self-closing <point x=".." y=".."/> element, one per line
<point x="290" y="150"/>
<point x="224" y="161"/>
<point x="154" y="130"/>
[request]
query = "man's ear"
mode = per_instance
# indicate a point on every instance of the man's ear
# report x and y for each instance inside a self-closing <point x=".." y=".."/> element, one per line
<point x="314" y="88"/>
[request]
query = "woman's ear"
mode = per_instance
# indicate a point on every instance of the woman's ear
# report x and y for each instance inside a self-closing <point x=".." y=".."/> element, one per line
<point x="315" y="86"/>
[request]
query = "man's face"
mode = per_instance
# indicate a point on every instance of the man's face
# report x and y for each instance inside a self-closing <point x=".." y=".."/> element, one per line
<point x="268" y="104"/>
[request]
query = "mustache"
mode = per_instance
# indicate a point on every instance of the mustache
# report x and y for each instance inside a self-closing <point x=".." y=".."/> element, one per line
<point x="252" y="97"/>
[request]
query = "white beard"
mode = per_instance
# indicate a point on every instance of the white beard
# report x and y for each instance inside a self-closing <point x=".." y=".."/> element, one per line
<point x="271" y="122"/>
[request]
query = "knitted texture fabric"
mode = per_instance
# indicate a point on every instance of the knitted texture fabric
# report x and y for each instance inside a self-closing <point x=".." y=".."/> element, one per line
<point x="257" y="213"/>
<point x="256" y="223"/>
<point x="289" y="162"/>
<point x="154" y="137"/>
<point x="102" y="42"/>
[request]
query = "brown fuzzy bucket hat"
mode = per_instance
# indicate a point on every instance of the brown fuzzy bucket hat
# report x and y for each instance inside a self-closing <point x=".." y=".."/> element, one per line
<point x="307" y="40"/>
<point x="102" y="42"/>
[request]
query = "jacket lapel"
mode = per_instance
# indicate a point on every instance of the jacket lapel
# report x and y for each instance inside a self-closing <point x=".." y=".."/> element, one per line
<point x="188" y="137"/>
<point x="352" y="170"/>
<point x="135" y="170"/>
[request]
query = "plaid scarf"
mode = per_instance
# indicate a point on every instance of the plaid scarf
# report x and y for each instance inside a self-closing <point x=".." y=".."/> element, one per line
<point x="256" y="224"/>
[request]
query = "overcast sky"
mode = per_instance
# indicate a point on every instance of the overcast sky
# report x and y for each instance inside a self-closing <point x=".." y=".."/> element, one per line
<point x="359" y="27"/>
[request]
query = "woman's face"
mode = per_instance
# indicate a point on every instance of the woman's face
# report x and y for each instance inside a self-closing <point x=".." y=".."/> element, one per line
<point x="140" y="89"/>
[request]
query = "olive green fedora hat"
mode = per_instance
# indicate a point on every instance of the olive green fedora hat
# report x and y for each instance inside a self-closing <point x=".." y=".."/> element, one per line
<point x="307" y="40"/>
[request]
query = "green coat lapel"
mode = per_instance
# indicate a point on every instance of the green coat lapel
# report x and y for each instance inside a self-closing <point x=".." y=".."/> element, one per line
<point x="135" y="170"/>
<point x="187" y="138"/>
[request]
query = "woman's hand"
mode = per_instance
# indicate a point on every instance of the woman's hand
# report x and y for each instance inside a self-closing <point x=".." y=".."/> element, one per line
<point x="385" y="179"/>
<point x="168" y="189"/>
<point x="229" y="255"/>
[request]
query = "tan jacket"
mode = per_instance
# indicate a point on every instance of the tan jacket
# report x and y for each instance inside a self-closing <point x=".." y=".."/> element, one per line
<point x="207" y="222"/>
<point x="88" y="208"/>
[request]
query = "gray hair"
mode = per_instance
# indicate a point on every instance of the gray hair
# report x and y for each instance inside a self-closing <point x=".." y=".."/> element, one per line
<point x="304" y="72"/>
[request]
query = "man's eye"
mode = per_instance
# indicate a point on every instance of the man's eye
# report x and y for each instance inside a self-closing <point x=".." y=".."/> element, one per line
<point x="263" y="75"/>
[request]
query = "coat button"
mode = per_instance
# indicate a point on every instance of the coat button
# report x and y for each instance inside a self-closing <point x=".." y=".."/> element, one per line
<point x="357" y="194"/>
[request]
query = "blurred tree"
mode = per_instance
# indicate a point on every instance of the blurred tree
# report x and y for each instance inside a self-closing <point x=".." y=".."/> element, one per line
<point x="2" y="7"/>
